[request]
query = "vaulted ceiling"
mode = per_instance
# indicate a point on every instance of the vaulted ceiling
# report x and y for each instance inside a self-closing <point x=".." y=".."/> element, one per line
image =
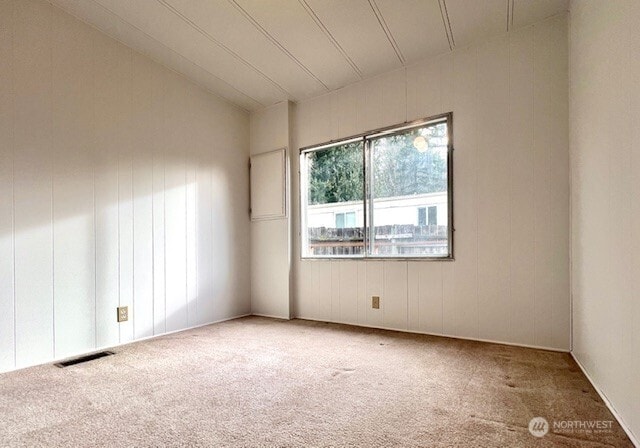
<point x="256" y="53"/>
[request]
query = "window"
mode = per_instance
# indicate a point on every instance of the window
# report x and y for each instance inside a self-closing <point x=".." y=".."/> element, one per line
<point x="383" y="194"/>
<point x="345" y="220"/>
<point x="433" y="215"/>
<point x="422" y="216"/>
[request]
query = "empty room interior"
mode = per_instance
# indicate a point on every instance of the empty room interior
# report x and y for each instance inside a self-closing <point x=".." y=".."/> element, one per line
<point x="319" y="223"/>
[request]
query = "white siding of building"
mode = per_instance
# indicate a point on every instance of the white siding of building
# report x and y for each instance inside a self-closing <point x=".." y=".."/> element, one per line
<point x="387" y="211"/>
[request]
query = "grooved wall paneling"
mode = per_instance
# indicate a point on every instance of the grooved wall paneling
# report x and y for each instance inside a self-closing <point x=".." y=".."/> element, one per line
<point x="510" y="280"/>
<point x="118" y="180"/>
<point x="605" y="187"/>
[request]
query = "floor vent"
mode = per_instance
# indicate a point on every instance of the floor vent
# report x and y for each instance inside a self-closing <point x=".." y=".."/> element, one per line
<point x="80" y="360"/>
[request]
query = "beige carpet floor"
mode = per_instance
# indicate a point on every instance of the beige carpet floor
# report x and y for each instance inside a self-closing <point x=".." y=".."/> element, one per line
<point x="259" y="382"/>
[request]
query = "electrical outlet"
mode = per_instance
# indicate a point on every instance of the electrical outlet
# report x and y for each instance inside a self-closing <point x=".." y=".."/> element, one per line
<point x="375" y="302"/>
<point x="123" y="313"/>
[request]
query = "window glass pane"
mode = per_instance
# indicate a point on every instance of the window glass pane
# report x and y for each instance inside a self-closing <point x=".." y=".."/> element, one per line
<point x="433" y="215"/>
<point x="408" y="174"/>
<point x="422" y="216"/>
<point x="350" y="219"/>
<point x="333" y="207"/>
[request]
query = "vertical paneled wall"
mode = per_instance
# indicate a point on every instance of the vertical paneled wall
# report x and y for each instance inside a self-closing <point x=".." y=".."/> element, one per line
<point x="121" y="183"/>
<point x="510" y="278"/>
<point x="605" y="163"/>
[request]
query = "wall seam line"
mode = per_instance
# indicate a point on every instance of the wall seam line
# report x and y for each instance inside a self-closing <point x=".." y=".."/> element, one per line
<point x="153" y="237"/>
<point x="533" y="173"/>
<point x="509" y="90"/>
<point x="196" y="162"/>
<point x="52" y="167"/>
<point x="186" y="234"/>
<point x="95" y="208"/>
<point x="164" y="208"/>
<point x="477" y="192"/>
<point x="407" y="286"/>
<point x="133" y="206"/>
<point x="119" y="244"/>
<point x="13" y="185"/>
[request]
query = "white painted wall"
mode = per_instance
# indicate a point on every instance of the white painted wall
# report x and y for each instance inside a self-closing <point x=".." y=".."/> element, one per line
<point x="605" y="150"/>
<point x="510" y="279"/>
<point x="271" y="239"/>
<point x="120" y="183"/>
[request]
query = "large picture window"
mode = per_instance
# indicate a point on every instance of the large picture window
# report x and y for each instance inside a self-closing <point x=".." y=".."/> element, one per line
<point x="385" y="194"/>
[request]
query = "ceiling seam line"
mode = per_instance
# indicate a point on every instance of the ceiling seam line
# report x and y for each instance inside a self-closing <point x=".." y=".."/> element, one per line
<point x="508" y="2"/>
<point x="275" y="42"/>
<point x="444" y="24"/>
<point x="213" y="92"/>
<point x="212" y="39"/>
<point x="510" y="6"/>
<point x="333" y="40"/>
<point x="511" y="15"/>
<point x="387" y="31"/>
<point x="447" y="24"/>
<point x="446" y="12"/>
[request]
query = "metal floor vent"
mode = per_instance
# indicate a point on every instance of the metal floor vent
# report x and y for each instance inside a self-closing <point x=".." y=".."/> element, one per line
<point x="80" y="360"/>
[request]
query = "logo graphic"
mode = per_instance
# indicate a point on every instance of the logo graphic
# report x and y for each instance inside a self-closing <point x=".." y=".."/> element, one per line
<point x="538" y="426"/>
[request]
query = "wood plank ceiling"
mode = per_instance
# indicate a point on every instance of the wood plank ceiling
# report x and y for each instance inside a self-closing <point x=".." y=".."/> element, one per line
<point x="256" y="53"/>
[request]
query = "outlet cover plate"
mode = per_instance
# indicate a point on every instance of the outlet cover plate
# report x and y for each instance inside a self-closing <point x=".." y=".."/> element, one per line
<point x="123" y="313"/>
<point x="375" y="302"/>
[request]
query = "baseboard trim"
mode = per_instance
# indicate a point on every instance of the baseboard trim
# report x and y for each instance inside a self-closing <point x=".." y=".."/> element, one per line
<point x="107" y="347"/>
<point x="272" y="316"/>
<point x="146" y="338"/>
<point x="440" y="335"/>
<point x="609" y="405"/>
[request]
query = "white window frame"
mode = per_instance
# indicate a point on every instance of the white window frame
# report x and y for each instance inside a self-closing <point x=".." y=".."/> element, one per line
<point x="365" y="138"/>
